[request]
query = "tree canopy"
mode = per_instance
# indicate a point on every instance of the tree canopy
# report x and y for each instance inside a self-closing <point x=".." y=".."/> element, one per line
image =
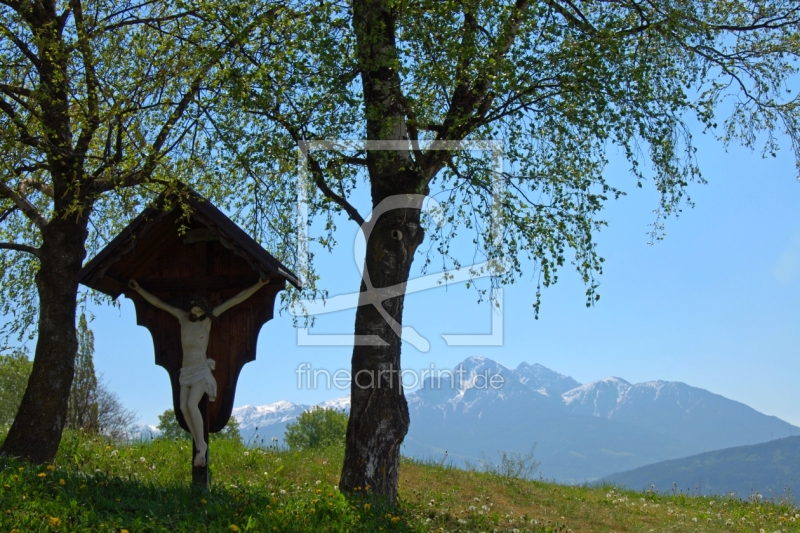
<point x="317" y="428"/>
<point x="559" y="82"/>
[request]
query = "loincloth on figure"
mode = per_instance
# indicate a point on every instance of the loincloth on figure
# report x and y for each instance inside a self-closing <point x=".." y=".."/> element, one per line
<point x="192" y="374"/>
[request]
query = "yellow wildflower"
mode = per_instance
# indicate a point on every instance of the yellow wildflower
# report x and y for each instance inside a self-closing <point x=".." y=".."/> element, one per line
<point x="62" y="482"/>
<point x="55" y="522"/>
<point x="233" y="527"/>
<point x="203" y="502"/>
<point x="7" y="486"/>
<point x="367" y="506"/>
<point x="51" y="467"/>
<point x="124" y="531"/>
<point x="41" y="474"/>
<point x="21" y="468"/>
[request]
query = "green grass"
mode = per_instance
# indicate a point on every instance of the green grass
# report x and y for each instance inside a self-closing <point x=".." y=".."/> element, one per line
<point x="96" y="485"/>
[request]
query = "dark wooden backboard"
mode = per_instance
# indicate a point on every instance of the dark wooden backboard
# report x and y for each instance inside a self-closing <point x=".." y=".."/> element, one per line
<point x="175" y="264"/>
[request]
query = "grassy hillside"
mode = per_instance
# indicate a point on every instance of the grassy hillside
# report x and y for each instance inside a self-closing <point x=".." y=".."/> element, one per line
<point x="768" y="468"/>
<point x="95" y="485"/>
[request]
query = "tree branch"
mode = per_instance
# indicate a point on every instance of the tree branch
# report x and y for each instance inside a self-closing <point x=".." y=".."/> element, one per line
<point x="316" y="170"/>
<point x="144" y="174"/>
<point x="138" y="176"/>
<point x="93" y="118"/>
<point x="27" y="208"/>
<point x="14" y="90"/>
<point x="355" y="161"/>
<point x="6" y="212"/>
<point x="319" y="180"/>
<point x="582" y="24"/>
<point x="36" y="184"/>
<point x="148" y="20"/>
<point x="8" y="34"/>
<point x="24" y="136"/>
<point x="19" y="248"/>
<point x="473" y="101"/>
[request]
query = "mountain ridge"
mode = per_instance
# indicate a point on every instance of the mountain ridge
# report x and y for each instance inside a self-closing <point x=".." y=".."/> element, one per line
<point x="582" y="432"/>
<point x="768" y="468"/>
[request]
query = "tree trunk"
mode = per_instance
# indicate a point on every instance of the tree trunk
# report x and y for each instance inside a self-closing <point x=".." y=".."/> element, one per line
<point x="379" y="413"/>
<point x="36" y="431"/>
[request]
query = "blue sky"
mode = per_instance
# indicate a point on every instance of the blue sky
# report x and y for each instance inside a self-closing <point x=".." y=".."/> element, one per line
<point x="714" y="305"/>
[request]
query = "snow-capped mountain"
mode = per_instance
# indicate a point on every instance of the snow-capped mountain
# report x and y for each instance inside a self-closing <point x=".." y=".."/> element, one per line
<point x="582" y="432"/>
<point x="265" y="422"/>
<point x="138" y="432"/>
<point x="600" y="398"/>
<point x="340" y="404"/>
<point x="543" y="380"/>
<point x="675" y="408"/>
<point x="252" y="416"/>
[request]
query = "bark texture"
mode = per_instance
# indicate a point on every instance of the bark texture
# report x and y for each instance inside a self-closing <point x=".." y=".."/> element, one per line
<point x="379" y="413"/>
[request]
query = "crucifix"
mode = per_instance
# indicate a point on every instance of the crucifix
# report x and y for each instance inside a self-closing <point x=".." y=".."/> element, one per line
<point x="196" y="376"/>
<point x="203" y="288"/>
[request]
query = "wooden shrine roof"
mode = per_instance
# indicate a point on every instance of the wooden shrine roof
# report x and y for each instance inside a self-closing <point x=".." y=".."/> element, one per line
<point x="98" y="275"/>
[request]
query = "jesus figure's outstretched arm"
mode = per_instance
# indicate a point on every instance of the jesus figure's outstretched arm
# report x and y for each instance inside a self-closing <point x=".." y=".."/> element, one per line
<point x="174" y="311"/>
<point x="239" y="298"/>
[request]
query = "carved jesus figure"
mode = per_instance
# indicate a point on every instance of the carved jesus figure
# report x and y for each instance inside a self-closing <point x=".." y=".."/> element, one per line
<point x="195" y="377"/>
